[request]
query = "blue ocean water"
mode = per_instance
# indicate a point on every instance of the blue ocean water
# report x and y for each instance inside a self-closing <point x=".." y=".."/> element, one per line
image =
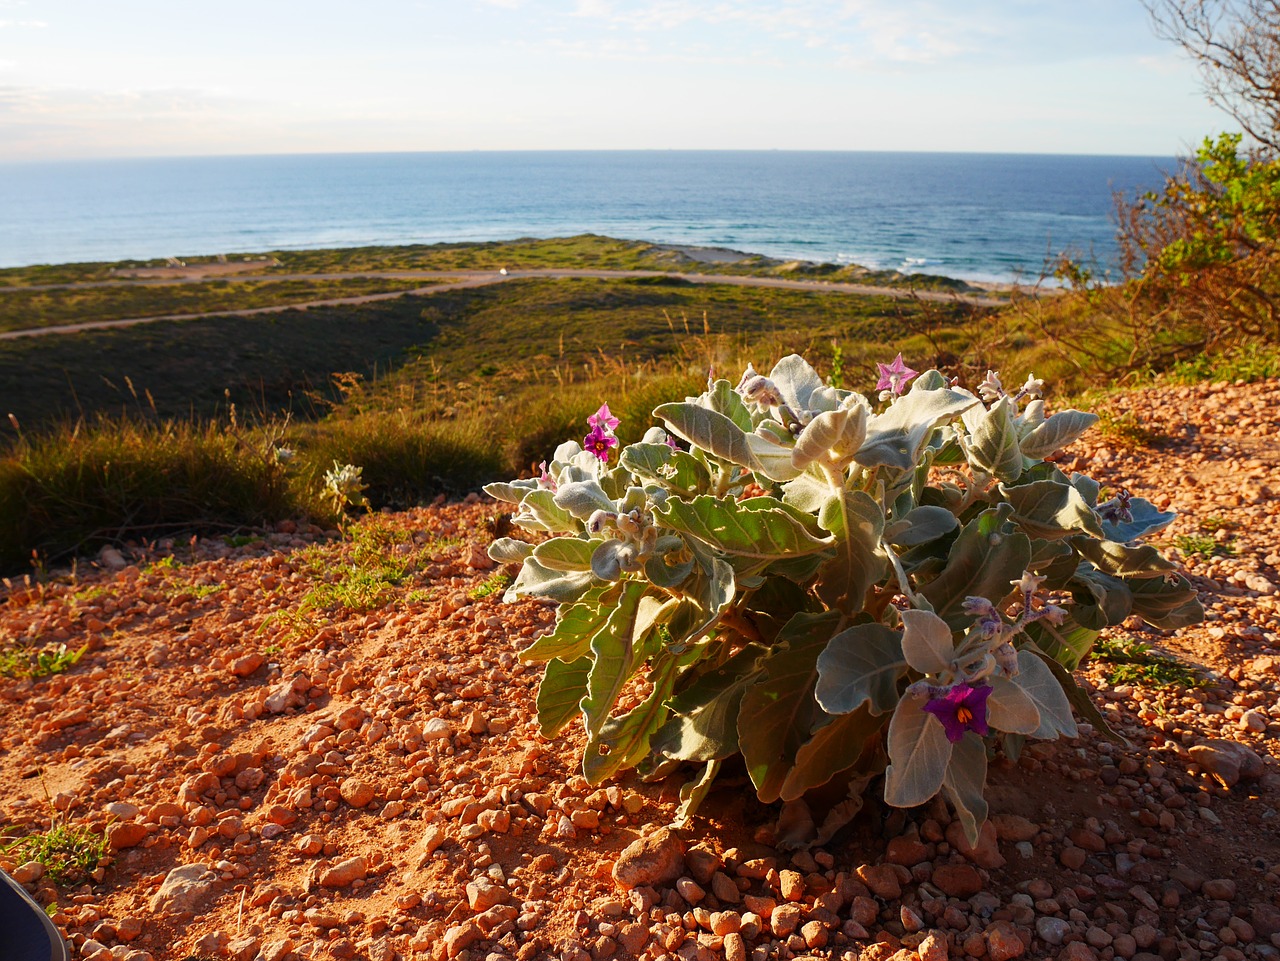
<point x="975" y="216"/>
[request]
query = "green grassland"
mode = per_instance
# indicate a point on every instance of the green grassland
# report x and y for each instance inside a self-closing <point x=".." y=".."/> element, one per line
<point x="24" y="309"/>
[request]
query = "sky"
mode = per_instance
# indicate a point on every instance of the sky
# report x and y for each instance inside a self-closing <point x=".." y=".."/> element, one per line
<point x="87" y="78"/>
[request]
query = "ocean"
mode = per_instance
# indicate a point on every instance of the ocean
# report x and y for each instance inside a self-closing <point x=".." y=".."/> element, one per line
<point x="993" y="217"/>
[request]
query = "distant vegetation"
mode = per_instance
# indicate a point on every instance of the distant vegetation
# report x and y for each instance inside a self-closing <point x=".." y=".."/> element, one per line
<point x="145" y="432"/>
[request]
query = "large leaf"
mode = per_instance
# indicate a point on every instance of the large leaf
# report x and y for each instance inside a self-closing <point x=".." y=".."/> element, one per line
<point x="779" y="710"/>
<point x="861" y="666"/>
<point x="1121" y="560"/>
<point x="1080" y="699"/>
<point x="761" y="528"/>
<point x="562" y="687"/>
<point x="513" y="492"/>
<point x="693" y="792"/>
<point x="985" y="558"/>
<point x="1167" y="603"/>
<point x="508" y="550"/>
<point x="841" y="431"/>
<point x="576" y="624"/>
<point x="1067" y="643"/>
<point x="613" y="658"/>
<point x="1060" y="430"/>
<point x="1010" y="708"/>
<point x="583" y="498"/>
<point x="538" y="512"/>
<point x="723" y="399"/>
<point x="919" y="753"/>
<point x="1051" y="509"/>
<point x="565" y="554"/>
<point x="856" y="523"/>
<point x="921" y="525"/>
<point x="993" y="440"/>
<point x="623" y="741"/>
<point x="722" y="438"/>
<point x="835" y="747"/>
<point x="534" y="580"/>
<point x="926" y="642"/>
<point x="675" y="470"/>
<point x="704" y="725"/>
<point x="895" y="437"/>
<point x="799" y="384"/>
<point x="1043" y="688"/>
<point x="1111" y="597"/>
<point x="965" y="782"/>
<point x="1146" y="520"/>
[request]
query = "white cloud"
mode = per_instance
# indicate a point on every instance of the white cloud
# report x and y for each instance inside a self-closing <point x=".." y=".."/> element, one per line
<point x="28" y="24"/>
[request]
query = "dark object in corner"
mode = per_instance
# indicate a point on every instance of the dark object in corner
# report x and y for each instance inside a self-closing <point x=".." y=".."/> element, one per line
<point x="29" y="935"/>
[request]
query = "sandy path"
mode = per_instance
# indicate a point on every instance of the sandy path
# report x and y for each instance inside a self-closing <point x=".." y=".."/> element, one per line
<point x="458" y="280"/>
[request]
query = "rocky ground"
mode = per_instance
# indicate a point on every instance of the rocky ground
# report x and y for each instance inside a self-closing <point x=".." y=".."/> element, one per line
<point x="281" y="777"/>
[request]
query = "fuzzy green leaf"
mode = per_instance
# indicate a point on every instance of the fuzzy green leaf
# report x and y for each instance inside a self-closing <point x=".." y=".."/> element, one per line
<point x="678" y="471"/>
<point x="861" y="666"/>
<point x="693" y="792"/>
<point x="512" y="493"/>
<point x="919" y="753"/>
<point x="779" y="710"/>
<point x="1061" y="430"/>
<point x="576" y="624"/>
<point x="926" y="642"/>
<point x="623" y="741"/>
<point x="704" y="725"/>
<point x="508" y="550"/>
<point x="1010" y="708"/>
<point x="563" y="685"/>
<point x="921" y="525"/>
<point x="613" y="659"/>
<point x="1051" y="510"/>
<point x="896" y="436"/>
<point x="859" y="562"/>
<point x="583" y="498"/>
<point x="985" y="558"/>
<point x="1120" y="560"/>
<point x="1042" y="687"/>
<point x="842" y="431"/>
<point x="565" y="554"/>
<point x="1166" y="603"/>
<point x="965" y="784"/>
<point x="534" y="580"/>
<point x="1080" y="700"/>
<point x="1146" y="520"/>
<point x="761" y="528"/>
<point x="538" y="512"/>
<point x="1066" y="643"/>
<point x="833" y="748"/>
<point x="993" y="440"/>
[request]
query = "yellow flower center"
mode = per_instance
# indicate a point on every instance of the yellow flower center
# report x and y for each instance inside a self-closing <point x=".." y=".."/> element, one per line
<point x="964" y="715"/>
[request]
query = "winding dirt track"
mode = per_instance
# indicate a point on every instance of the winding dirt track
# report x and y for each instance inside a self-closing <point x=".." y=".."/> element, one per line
<point x="459" y="280"/>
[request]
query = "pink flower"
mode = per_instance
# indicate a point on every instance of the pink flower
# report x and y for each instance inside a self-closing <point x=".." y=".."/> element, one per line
<point x="603" y="420"/>
<point x="895" y="377"/>
<point x="545" y="479"/>
<point x="961" y="709"/>
<point x="599" y="442"/>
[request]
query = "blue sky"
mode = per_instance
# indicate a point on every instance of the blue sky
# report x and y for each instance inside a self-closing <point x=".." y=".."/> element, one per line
<point x="85" y="78"/>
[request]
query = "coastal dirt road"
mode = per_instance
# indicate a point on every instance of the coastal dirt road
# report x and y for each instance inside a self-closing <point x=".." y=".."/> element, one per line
<point x="446" y="280"/>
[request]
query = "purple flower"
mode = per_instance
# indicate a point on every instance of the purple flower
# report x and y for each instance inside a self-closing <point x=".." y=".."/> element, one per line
<point x="671" y="442"/>
<point x="603" y="420"/>
<point x="599" y="442"/>
<point x="961" y="709"/>
<point x="895" y="377"/>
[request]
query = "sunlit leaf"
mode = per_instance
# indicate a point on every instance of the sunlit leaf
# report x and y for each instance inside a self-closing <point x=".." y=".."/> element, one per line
<point x="613" y="660"/>
<point x="534" y="580"/>
<point x="859" y="562"/>
<point x="622" y="741"/>
<point x="571" y="636"/>
<point x="896" y="436"/>
<point x="993" y="440"/>
<point x="1060" y="430"/>
<point x="1051" y="509"/>
<point x="563" y="685"/>
<point x="921" y="525"/>
<point x="754" y="528"/>
<point x="565" y="554"/>
<point x="1121" y="560"/>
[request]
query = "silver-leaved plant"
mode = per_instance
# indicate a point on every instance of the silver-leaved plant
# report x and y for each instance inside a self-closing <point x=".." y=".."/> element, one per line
<point x="832" y="589"/>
